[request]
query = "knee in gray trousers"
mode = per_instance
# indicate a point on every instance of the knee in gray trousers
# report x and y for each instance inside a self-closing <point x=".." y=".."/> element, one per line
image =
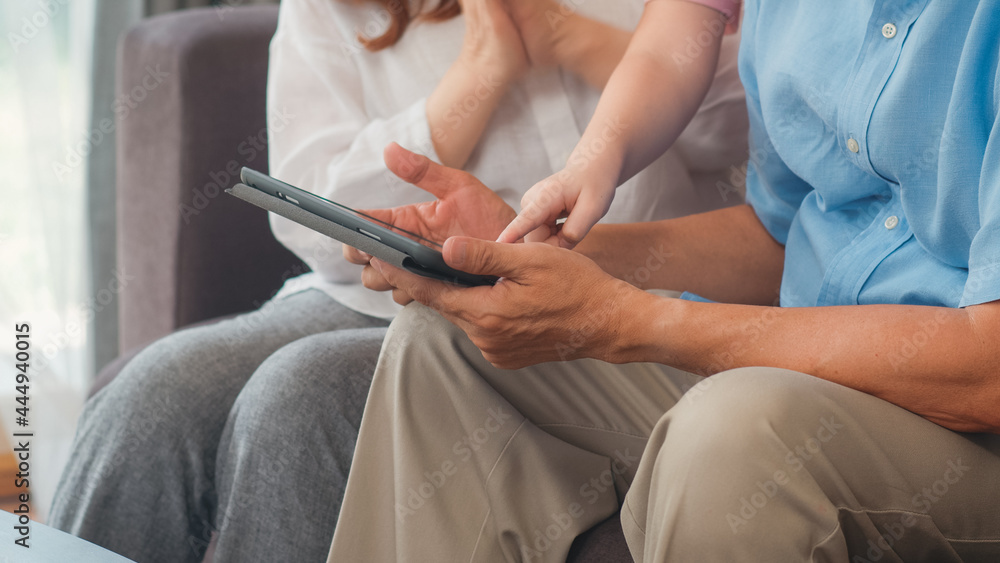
<point x="286" y="450"/>
<point x="142" y="477"/>
<point x="139" y="434"/>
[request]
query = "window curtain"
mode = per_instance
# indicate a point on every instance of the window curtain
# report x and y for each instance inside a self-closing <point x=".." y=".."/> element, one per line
<point x="153" y="7"/>
<point x="45" y="64"/>
<point x="112" y="18"/>
<point x="57" y="208"/>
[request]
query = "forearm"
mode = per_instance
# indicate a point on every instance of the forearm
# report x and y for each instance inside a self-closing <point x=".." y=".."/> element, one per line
<point x="940" y="363"/>
<point x="724" y="255"/>
<point x="651" y="95"/>
<point x="460" y="108"/>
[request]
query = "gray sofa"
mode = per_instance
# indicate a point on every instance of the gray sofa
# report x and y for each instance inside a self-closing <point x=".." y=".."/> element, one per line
<point x="197" y="254"/>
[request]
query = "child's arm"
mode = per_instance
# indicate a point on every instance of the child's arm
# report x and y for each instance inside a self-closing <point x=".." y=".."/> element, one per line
<point x="651" y="96"/>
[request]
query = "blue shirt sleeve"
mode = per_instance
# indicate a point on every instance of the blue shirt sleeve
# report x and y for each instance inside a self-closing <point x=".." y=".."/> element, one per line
<point x="983" y="284"/>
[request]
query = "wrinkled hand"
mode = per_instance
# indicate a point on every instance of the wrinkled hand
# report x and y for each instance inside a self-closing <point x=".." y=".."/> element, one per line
<point x="582" y="200"/>
<point x="550" y="304"/>
<point x="464" y="206"/>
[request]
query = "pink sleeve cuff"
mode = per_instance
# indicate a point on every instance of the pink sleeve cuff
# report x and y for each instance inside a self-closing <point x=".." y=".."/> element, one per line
<point x="729" y="8"/>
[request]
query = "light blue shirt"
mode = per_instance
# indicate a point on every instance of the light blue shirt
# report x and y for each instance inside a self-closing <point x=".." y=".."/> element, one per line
<point x="876" y="147"/>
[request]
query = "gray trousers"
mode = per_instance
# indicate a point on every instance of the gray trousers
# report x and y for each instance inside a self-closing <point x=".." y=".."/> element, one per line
<point x="460" y="461"/>
<point x="245" y="427"/>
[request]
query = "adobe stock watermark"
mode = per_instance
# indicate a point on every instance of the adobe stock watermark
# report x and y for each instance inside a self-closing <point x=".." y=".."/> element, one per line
<point x="735" y="185"/>
<point x="219" y="180"/>
<point x="223" y="7"/>
<point x="256" y="319"/>
<point x="158" y="410"/>
<point x="909" y="346"/>
<point x="595" y="319"/>
<point x="923" y="501"/>
<point x="566" y="9"/>
<point x="558" y="524"/>
<point x="925" y="163"/>
<point x="72" y="330"/>
<point x="729" y="358"/>
<point x="763" y="149"/>
<point x="272" y="473"/>
<point x="374" y="27"/>
<point x="33" y="24"/>
<point x="586" y="152"/>
<point x="393" y="183"/>
<point x="695" y="46"/>
<point x="458" y="112"/>
<point x="122" y="107"/>
<point x="439" y="476"/>
<point x="592" y="148"/>
<point x="753" y="504"/>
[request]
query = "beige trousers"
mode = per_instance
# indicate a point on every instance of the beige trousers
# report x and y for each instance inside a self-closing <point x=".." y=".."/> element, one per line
<point x="460" y="461"/>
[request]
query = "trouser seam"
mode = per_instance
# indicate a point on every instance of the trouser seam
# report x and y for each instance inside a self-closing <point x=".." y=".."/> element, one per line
<point x="591" y="427"/>
<point x="504" y="450"/>
<point x="475" y="548"/>
<point x="914" y="513"/>
<point x="832" y="533"/>
<point x="488" y="476"/>
<point x="627" y="510"/>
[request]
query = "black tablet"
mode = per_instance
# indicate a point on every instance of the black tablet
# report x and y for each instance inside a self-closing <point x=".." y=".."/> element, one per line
<point x="384" y="241"/>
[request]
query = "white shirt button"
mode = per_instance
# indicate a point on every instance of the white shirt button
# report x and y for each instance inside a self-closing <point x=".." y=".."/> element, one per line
<point x="853" y="146"/>
<point x="891" y="222"/>
<point x="889" y="31"/>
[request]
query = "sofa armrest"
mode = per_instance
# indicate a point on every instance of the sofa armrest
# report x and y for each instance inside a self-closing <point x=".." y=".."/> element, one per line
<point x="190" y="112"/>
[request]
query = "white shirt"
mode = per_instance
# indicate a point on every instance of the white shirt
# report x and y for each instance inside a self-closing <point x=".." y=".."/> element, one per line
<point x="343" y="104"/>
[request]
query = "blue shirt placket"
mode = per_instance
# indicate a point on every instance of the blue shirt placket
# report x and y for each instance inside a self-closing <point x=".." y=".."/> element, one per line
<point x="875" y="65"/>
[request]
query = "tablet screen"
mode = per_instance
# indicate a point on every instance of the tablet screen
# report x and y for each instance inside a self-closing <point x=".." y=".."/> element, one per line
<point x="360" y="214"/>
<point x="391" y="227"/>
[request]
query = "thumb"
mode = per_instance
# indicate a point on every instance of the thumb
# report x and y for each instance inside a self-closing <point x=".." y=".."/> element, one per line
<point x="585" y="214"/>
<point x="483" y="257"/>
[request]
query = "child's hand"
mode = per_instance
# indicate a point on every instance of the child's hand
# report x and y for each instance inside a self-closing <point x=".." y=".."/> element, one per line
<point x="581" y="199"/>
<point x="646" y="104"/>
